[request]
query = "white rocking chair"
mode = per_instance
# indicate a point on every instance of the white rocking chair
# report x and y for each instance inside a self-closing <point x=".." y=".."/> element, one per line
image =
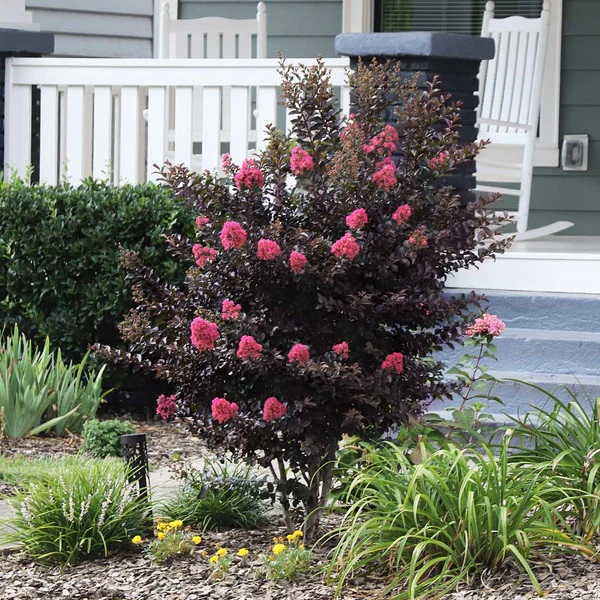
<point x="509" y="109"/>
<point x="210" y="38"/>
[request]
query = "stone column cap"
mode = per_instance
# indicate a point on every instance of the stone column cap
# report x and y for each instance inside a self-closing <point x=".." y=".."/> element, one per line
<point x="19" y="41"/>
<point x="430" y="44"/>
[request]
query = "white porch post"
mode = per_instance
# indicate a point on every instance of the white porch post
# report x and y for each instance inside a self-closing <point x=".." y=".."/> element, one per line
<point x="357" y="16"/>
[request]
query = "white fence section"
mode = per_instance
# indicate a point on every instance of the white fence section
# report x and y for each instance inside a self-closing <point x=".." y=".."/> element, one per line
<point x="116" y="118"/>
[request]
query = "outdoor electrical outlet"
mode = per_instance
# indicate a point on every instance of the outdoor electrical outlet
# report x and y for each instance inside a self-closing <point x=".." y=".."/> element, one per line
<point x="574" y="155"/>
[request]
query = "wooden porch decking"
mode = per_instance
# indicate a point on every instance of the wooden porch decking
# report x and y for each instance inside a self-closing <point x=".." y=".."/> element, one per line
<point x="557" y="263"/>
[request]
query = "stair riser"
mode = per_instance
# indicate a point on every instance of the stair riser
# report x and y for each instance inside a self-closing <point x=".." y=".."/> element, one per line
<point x="561" y="312"/>
<point x="518" y="397"/>
<point x="539" y="356"/>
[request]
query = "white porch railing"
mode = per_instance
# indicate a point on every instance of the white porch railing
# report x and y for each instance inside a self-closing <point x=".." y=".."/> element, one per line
<point x="115" y="118"/>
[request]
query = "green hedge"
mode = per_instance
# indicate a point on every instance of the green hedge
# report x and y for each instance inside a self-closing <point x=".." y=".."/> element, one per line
<point x="60" y="264"/>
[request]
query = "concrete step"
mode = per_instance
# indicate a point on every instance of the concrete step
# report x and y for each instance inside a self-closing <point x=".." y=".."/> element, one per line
<point x="541" y="351"/>
<point x="524" y="310"/>
<point x="517" y="396"/>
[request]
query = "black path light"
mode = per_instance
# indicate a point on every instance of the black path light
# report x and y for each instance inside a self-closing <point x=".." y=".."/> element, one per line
<point x="135" y="454"/>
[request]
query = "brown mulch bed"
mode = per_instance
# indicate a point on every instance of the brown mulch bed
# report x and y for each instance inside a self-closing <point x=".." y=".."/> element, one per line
<point x="166" y="443"/>
<point x="133" y="576"/>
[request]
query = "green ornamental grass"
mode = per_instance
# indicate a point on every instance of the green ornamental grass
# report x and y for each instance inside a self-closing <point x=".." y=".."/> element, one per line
<point x="85" y="509"/>
<point x="447" y="520"/>
<point x="565" y="437"/>
<point x="222" y="495"/>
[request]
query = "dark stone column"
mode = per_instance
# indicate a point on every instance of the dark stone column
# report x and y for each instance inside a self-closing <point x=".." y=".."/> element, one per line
<point x="455" y="58"/>
<point x="16" y="42"/>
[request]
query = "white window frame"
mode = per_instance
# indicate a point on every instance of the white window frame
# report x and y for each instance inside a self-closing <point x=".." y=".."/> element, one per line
<point x="358" y="18"/>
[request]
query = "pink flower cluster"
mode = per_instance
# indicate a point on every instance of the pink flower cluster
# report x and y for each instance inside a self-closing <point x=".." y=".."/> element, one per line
<point x="486" y="325"/>
<point x="346" y="247"/>
<point x="299" y="353"/>
<point x="438" y="161"/>
<point x="203" y="254"/>
<point x="249" y="176"/>
<point x="393" y="362"/>
<point x="204" y="334"/>
<point x="268" y="250"/>
<point x="297" y="261"/>
<point x="166" y="407"/>
<point x="223" y="411"/>
<point x="249" y="348"/>
<point x="202" y="221"/>
<point x="227" y="163"/>
<point x="384" y="142"/>
<point x="417" y="238"/>
<point x="233" y="235"/>
<point x="300" y="161"/>
<point x="357" y="218"/>
<point x="273" y="409"/>
<point x="230" y="310"/>
<point x="342" y="350"/>
<point x="385" y="177"/>
<point x="402" y="214"/>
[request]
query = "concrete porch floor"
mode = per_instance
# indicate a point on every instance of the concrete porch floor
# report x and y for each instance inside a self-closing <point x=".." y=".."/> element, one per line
<point x="557" y="263"/>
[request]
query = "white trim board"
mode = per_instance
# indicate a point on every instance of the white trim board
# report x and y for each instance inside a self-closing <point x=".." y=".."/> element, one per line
<point x="557" y="264"/>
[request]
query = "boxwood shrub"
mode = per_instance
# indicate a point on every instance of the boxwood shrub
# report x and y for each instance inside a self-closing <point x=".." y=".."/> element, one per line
<point x="60" y="264"/>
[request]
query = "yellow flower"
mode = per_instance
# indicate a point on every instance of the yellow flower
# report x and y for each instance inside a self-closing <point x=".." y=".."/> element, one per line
<point x="301" y="546"/>
<point x="278" y="549"/>
<point x="222" y="552"/>
<point x="213" y="559"/>
<point x="298" y="533"/>
<point x="176" y="524"/>
<point x="291" y="537"/>
<point x="196" y="539"/>
<point x="160" y="535"/>
<point x="137" y="539"/>
<point x="242" y="552"/>
<point x="162" y="526"/>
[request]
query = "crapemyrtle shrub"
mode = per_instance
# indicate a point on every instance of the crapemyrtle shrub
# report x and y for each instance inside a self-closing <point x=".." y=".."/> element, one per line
<point x="61" y="274"/>
<point x="315" y="296"/>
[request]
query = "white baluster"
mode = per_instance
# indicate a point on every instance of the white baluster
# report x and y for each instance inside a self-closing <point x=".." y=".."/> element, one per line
<point x="49" y="134"/>
<point x="101" y="162"/>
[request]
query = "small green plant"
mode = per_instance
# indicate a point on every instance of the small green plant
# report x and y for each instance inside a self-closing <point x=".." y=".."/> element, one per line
<point x="171" y="539"/>
<point x="39" y="392"/>
<point x="288" y="561"/>
<point x="221" y="562"/>
<point x="221" y="495"/>
<point x="84" y="510"/>
<point x="565" y="437"/>
<point x="102" y="438"/>
<point x="456" y="515"/>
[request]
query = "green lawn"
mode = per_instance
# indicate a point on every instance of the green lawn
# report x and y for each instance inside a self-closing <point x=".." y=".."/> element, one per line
<point x="20" y="471"/>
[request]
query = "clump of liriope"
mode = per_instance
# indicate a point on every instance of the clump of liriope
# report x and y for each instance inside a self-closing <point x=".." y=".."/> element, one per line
<point x="84" y="510"/>
<point x="221" y="495"/>
<point x="458" y="514"/>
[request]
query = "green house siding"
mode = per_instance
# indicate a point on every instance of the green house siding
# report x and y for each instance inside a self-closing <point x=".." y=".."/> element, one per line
<point x="296" y="28"/>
